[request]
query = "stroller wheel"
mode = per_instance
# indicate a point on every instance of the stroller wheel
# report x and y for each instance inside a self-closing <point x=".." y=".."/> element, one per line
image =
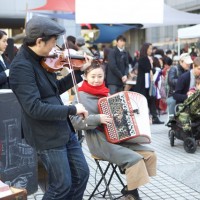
<point x="190" y="145"/>
<point x="171" y="137"/>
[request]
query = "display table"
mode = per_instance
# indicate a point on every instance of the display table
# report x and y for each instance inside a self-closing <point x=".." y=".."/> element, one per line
<point x="17" y="194"/>
<point x="17" y="159"/>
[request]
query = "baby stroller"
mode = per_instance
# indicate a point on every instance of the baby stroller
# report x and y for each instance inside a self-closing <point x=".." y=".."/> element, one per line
<point x="185" y="124"/>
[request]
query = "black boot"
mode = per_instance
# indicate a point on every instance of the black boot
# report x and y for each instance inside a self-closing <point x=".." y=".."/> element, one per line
<point x="130" y="194"/>
<point x="156" y="121"/>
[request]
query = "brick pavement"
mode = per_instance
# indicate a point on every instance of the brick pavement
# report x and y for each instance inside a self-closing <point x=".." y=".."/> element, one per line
<point x="178" y="176"/>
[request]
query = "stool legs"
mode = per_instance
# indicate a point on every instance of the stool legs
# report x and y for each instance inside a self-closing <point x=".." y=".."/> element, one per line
<point x="103" y="178"/>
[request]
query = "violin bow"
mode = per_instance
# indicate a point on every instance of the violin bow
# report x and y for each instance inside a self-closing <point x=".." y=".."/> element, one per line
<point x="72" y="70"/>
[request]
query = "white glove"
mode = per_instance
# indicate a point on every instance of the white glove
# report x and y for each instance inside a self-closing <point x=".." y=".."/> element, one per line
<point x="7" y="72"/>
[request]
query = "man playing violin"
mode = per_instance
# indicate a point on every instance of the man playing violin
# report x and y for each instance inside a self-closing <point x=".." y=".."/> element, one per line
<point x="45" y="119"/>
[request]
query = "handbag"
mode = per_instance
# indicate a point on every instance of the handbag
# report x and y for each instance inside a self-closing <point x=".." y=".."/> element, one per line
<point x="162" y="104"/>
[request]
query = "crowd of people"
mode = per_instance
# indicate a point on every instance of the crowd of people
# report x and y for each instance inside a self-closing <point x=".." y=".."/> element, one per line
<point x="49" y="126"/>
<point x="156" y="76"/>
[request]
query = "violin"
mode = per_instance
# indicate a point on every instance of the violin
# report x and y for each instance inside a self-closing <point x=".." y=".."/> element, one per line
<point x="57" y="60"/>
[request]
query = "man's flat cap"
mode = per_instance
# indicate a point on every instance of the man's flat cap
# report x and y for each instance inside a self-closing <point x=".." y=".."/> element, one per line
<point x="80" y="40"/>
<point x="42" y="26"/>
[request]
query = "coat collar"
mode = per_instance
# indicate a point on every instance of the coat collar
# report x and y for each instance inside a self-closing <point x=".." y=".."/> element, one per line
<point x="118" y="51"/>
<point x="51" y="77"/>
<point x="32" y="53"/>
<point x="2" y="67"/>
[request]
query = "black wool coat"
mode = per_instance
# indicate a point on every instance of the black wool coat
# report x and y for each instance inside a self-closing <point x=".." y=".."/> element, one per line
<point x="45" y="122"/>
<point x="144" y="66"/>
<point x="182" y="87"/>
<point x="117" y="67"/>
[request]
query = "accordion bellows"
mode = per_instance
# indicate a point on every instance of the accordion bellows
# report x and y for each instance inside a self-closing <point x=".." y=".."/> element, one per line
<point x="130" y="114"/>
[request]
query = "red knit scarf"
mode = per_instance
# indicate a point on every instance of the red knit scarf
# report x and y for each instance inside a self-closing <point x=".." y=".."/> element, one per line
<point x="101" y="90"/>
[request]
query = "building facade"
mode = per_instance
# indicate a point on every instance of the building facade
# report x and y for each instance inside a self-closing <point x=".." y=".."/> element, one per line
<point x="166" y="36"/>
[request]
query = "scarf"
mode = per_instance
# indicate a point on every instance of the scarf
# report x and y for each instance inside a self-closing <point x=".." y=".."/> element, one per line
<point x="100" y="90"/>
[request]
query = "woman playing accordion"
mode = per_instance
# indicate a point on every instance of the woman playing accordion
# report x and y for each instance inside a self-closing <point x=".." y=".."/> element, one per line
<point x="138" y="162"/>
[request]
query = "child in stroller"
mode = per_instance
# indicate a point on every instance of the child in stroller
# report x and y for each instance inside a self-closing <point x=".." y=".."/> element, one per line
<point x="185" y="125"/>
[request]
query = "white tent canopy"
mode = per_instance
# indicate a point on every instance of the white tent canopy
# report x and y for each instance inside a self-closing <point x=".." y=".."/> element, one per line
<point x="189" y="32"/>
<point x="119" y="12"/>
<point x="132" y="11"/>
<point x="176" y="17"/>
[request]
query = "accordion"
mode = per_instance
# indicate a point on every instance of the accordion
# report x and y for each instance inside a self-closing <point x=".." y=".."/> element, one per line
<point x="130" y="114"/>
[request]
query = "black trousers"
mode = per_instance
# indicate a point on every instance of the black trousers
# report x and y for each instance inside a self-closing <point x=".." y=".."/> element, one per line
<point x="152" y="107"/>
<point x="115" y="88"/>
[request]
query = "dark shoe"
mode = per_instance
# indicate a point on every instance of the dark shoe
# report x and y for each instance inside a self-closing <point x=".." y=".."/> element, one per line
<point x="156" y="121"/>
<point x="122" y="171"/>
<point x="130" y="194"/>
<point x="129" y="197"/>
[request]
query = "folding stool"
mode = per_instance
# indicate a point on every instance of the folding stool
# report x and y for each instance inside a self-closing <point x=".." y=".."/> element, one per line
<point x="103" y="178"/>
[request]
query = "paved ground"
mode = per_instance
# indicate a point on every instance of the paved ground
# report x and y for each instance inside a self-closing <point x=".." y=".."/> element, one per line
<point x="178" y="176"/>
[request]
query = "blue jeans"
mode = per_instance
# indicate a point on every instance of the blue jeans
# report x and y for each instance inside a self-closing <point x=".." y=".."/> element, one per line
<point x="67" y="170"/>
<point x="171" y="103"/>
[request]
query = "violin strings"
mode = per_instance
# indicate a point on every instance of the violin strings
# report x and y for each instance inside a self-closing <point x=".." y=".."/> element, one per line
<point x="60" y="48"/>
<point x="72" y="71"/>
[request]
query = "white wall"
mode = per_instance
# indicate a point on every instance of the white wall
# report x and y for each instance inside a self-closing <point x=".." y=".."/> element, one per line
<point x="135" y="39"/>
